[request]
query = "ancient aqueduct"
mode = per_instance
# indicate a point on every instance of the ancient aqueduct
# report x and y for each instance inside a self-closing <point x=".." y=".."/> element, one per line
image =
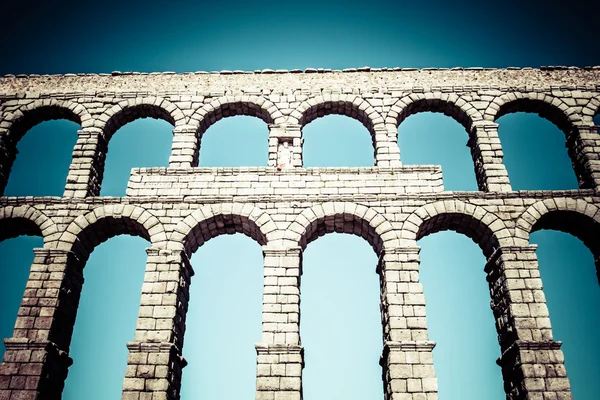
<point x="284" y="207"/>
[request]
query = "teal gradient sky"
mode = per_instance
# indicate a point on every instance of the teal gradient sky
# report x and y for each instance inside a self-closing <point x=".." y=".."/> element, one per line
<point x="339" y="285"/>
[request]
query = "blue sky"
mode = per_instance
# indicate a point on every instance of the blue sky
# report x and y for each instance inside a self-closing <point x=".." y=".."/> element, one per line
<point x="224" y="319"/>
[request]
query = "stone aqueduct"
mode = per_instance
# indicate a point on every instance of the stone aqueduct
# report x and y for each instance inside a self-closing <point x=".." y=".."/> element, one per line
<point x="284" y="207"/>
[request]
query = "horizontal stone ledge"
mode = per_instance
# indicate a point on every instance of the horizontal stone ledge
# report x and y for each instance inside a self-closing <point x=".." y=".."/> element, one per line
<point x="273" y="349"/>
<point x="296" y="171"/>
<point x="419" y="346"/>
<point x="511" y="353"/>
<point x="400" y="250"/>
<point x="24" y="344"/>
<point x="158" y="347"/>
<point x="95" y="201"/>
<point x="139" y="347"/>
<point x="505" y="250"/>
<point x="281" y="252"/>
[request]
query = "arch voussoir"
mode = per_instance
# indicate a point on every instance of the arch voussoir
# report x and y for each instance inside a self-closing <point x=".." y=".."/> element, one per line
<point x="213" y="220"/>
<point x="27" y="220"/>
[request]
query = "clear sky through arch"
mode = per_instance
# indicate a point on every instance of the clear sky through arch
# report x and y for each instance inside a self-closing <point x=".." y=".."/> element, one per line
<point x="67" y="36"/>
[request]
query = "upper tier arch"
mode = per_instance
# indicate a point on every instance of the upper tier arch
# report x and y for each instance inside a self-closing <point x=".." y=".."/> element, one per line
<point x="348" y="105"/>
<point x="144" y="107"/>
<point x="449" y="104"/>
<point x="230" y="106"/>
<point x="14" y="125"/>
<point x="552" y="108"/>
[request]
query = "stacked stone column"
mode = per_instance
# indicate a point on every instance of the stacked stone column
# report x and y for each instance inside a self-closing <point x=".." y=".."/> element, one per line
<point x="155" y="361"/>
<point x="280" y="356"/>
<point x="487" y="154"/>
<point x="285" y="145"/>
<point x="387" y="152"/>
<point x="186" y="147"/>
<point x="407" y="359"/>
<point x="87" y="165"/>
<point x="532" y="362"/>
<point x="583" y="143"/>
<point x="36" y="359"/>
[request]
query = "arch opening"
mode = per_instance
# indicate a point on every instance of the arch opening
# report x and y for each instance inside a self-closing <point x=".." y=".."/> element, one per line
<point x="459" y="318"/>
<point x="103" y="229"/>
<point x="37" y="163"/>
<point x="235" y="141"/>
<point x="581" y="226"/>
<point x="107" y="310"/>
<point x="224" y="318"/>
<point x="342" y="222"/>
<point x="18" y="238"/>
<point x="570" y="276"/>
<point x="349" y="109"/>
<point x="539" y="107"/>
<point x="456" y="331"/>
<point x="475" y="229"/>
<point x="340" y="132"/>
<point x="221" y="224"/>
<point x="132" y="113"/>
<point x="446" y="108"/>
<point x="340" y="319"/>
<point x="534" y="147"/>
<point x="439" y="138"/>
<point x="207" y="117"/>
<point x="145" y="142"/>
<point x="103" y="311"/>
<point x="596" y="118"/>
<point x="35" y="116"/>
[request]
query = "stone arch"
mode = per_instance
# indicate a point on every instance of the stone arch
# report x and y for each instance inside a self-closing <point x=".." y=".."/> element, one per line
<point x="482" y="226"/>
<point x="573" y="216"/>
<point x="349" y="105"/>
<point x="15" y="125"/>
<point x="253" y="106"/>
<point x="342" y="217"/>
<point x="142" y="107"/>
<point x="210" y="221"/>
<point x="26" y="220"/>
<point x="591" y="110"/>
<point x="100" y="224"/>
<point x="449" y="104"/>
<point x="551" y="108"/>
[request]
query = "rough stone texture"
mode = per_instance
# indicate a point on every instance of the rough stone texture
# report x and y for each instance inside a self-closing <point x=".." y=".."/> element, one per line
<point x="284" y="207"/>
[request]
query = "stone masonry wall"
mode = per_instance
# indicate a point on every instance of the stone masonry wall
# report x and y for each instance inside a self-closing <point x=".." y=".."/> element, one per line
<point x="284" y="206"/>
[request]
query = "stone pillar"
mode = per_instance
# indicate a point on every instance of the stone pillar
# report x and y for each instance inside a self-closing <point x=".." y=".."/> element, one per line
<point x="87" y="166"/>
<point x="387" y="152"/>
<point x="36" y="359"/>
<point x="186" y="147"/>
<point x="407" y="359"/>
<point x="285" y="146"/>
<point x="487" y="154"/>
<point x="582" y="144"/>
<point x="280" y="357"/>
<point x="155" y="361"/>
<point x="532" y="362"/>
